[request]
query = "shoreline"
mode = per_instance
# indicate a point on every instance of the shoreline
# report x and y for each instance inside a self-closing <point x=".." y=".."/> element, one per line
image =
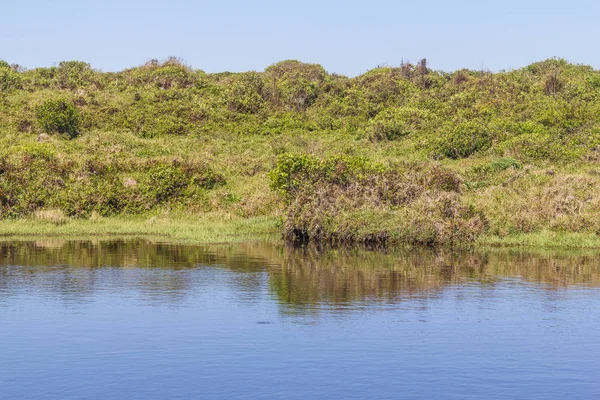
<point x="227" y="229"/>
<point x="209" y="229"/>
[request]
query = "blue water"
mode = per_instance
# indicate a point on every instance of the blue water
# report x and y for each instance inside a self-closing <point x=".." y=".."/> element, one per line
<point x="141" y="320"/>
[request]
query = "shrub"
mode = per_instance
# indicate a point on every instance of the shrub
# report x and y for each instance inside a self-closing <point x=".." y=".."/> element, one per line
<point x="385" y="86"/>
<point x="244" y="94"/>
<point x="73" y="75"/>
<point x="32" y="179"/>
<point x="170" y="74"/>
<point x="163" y="125"/>
<point x="344" y="199"/>
<point x="461" y="140"/>
<point x="166" y="181"/>
<point x="58" y="116"/>
<point x="294" y="171"/>
<point x="385" y="207"/>
<point x="291" y="171"/>
<point x="387" y="125"/>
<point x="293" y="84"/>
<point x="9" y="79"/>
<point x="536" y="147"/>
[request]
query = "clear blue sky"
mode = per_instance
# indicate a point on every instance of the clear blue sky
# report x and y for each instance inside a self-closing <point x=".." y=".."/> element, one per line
<point x="346" y="37"/>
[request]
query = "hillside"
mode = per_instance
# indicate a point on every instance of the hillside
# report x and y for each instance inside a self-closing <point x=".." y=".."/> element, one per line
<point x="397" y="154"/>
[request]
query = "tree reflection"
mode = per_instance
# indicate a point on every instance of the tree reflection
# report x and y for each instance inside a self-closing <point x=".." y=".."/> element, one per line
<point x="300" y="278"/>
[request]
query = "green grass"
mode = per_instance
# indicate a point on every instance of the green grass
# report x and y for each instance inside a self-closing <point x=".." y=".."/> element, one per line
<point x="544" y="239"/>
<point x="178" y="228"/>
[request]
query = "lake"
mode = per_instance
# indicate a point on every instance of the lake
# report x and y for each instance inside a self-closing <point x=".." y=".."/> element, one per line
<point x="144" y="319"/>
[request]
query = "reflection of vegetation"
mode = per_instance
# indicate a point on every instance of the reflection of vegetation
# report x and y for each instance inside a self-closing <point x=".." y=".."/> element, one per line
<point x="312" y="276"/>
<point x="298" y="277"/>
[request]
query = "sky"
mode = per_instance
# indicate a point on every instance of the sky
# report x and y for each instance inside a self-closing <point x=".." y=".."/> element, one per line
<point x="346" y="37"/>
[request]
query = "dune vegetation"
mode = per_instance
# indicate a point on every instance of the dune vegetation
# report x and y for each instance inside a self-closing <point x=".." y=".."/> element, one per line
<point x="398" y="154"/>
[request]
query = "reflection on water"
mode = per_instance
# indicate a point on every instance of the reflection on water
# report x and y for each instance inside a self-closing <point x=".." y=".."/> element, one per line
<point x="299" y="277"/>
<point x="156" y="320"/>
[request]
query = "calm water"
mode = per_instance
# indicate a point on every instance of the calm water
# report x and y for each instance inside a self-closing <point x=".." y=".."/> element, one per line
<point x="124" y="320"/>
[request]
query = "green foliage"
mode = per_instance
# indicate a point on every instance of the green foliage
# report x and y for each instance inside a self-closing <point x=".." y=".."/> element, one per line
<point x="294" y="171"/>
<point x="9" y="79"/>
<point x="355" y="153"/>
<point x="293" y="84"/>
<point x="58" y="116"/>
<point x="33" y="178"/>
<point x="244" y="94"/>
<point x="461" y="140"/>
<point x="495" y="172"/>
<point x="163" y="125"/>
<point x="73" y="75"/>
<point x="291" y="171"/>
<point x="448" y="115"/>
<point x="388" y="125"/>
<point x="170" y="74"/>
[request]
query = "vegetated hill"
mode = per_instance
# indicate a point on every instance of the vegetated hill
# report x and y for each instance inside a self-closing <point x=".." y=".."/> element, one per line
<point x="521" y="146"/>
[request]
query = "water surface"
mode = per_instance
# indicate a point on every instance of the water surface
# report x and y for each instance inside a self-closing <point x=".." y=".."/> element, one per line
<point x="139" y="319"/>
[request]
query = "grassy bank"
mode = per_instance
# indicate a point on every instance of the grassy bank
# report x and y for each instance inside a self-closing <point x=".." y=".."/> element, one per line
<point x="217" y="229"/>
<point x="402" y="154"/>
<point x="176" y="228"/>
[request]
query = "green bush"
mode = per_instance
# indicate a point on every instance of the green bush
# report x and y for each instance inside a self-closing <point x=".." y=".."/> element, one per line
<point x="387" y="125"/>
<point x="244" y="94"/>
<point x="461" y="140"/>
<point x="170" y="74"/>
<point x="293" y="84"/>
<point x="294" y="171"/>
<point x="33" y="178"/>
<point x="537" y="147"/>
<point x="73" y="75"/>
<point x="165" y="181"/>
<point x="58" y="116"/>
<point x="9" y="79"/>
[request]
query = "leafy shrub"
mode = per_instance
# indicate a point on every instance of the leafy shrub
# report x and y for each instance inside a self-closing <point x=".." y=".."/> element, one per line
<point x="284" y="122"/>
<point x="293" y="84"/>
<point x="412" y="203"/>
<point x="537" y="147"/>
<point x="291" y="171"/>
<point x="58" y="116"/>
<point x="387" y="125"/>
<point x="170" y="74"/>
<point x="244" y="94"/>
<point x="33" y="180"/>
<point x="166" y="181"/>
<point x="461" y="141"/>
<point x="9" y="79"/>
<point x="386" y="86"/>
<point x="496" y="172"/>
<point x="73" y="75"/>
<point x="296" y="170"/>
